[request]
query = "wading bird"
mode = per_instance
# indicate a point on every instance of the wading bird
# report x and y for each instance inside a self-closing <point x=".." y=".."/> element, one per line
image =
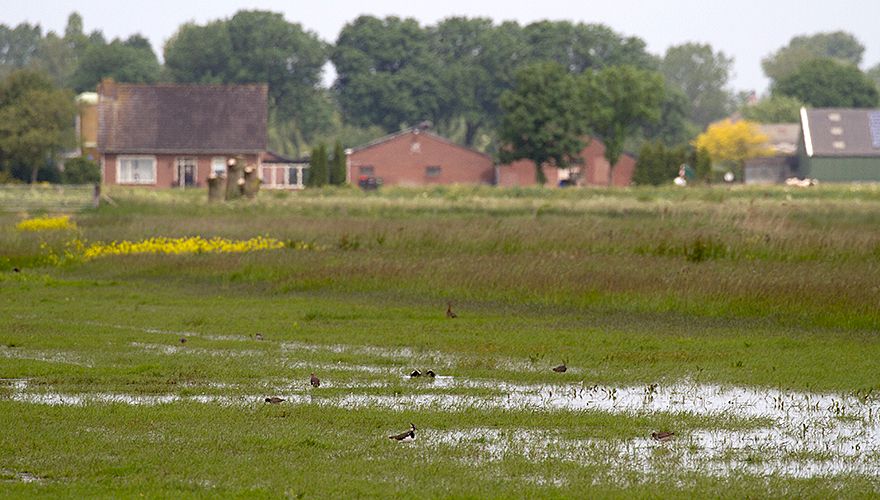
<point x="259" y="336"/>
<point x="662" y="436"/>
<point x="315" y="381"/>
<point x="183" y="340"/>
<point x="449" y="313"/>
<point x="274" y="400"/>
<point x="561" y="368"/>
<point x="403" y="437"/>
<point x="431" y="373"/>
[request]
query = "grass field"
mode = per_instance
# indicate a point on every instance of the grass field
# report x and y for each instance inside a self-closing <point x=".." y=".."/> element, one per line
<point x="745" y="320"/>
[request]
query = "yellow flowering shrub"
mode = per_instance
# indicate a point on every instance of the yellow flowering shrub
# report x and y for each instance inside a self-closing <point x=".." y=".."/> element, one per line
<point x="60" y="223"/>
<point x="176" y="246"/>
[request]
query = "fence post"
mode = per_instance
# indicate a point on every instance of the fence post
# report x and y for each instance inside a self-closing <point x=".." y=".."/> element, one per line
<point x="96" y="195"/>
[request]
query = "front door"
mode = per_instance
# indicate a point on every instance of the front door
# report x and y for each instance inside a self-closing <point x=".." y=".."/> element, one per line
<point x="186" y="172"/>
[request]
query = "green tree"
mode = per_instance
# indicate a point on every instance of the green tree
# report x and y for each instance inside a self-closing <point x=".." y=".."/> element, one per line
<point x="18" y="46"/>
<point x="541" y="119"/>
<point x="81" y="170"/>
<point x="874" y="74"/>
<point x="838" y="45"/>
<point x="130" y="61"/>
<point x="703" y="75"/>
<point x="318" y="171"/>
<point x="616" y="101"/>
<point x="674" y="126"/>
<point x="36" y="120"/>
<point x="337" y="166"/>
<point x="774" y="109"/>
<point x="258" y="47"/>
<point x="59" y="56"/>
<point x="825" y="83"/>
<point x="386" y="73"/>
<point x="579" y="47"/>
<point x="658" y="164"/>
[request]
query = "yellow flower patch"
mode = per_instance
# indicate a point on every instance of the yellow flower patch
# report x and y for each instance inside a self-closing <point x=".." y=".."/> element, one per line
<point x="46" y="224"/>
<point x="177" y="246"/>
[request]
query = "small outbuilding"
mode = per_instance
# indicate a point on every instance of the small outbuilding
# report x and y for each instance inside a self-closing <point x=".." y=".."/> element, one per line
<point x="840" y="145"/>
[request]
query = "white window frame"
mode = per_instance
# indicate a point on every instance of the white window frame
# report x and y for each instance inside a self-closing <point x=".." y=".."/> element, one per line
<point x="221" y="160"/>
<point x="120" y="159"/>
<point x="181" y="161"/>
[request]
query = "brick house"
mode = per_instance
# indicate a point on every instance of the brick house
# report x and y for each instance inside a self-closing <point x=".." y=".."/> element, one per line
<point x="418" y="157"/>
<point x="169" y="135"/>
<point x="593" y="171"/>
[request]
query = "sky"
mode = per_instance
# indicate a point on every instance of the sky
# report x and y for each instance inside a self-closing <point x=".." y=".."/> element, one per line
<point x="747" y="30"/>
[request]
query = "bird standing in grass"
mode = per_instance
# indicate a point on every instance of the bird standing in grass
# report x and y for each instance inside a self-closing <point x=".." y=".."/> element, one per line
<point x="561" y="368"/>
<point x="315" y="381"/>
<point x="662" y="436"/>
<point x="449" y="312"/>
<point x="258" y="336"/>
<point x="183" y="340"/>
<point x="431" y="373"/>
<point x="274" y="400"/>
<point x="415" y="373"/>
<point x="403" y="437"/>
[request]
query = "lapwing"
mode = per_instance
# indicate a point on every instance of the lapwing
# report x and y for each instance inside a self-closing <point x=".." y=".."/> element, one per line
<point x="407" y="436"/>
<point x="315" y="381"/>
<point x="415" y="373"/>
<point x="431" y="373"/>
<point x="662" y="436"/>
<point x="561" y="368"/>
<point x="258" y="336"/>
<point x="183" y="340"/>
<point x="449" y="313"/>
<point x="274" y="400"/>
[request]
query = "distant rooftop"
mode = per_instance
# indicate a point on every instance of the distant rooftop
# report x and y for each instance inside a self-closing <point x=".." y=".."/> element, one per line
<point x="841" y="131"/>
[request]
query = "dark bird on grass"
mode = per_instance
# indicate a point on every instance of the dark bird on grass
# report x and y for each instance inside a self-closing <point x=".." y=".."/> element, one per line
<point x="662" y="436"/>
<point x="403" y="437"/>
<point x="415" y="373"/>
<point x="431" y="373"/>
<point x="183" y="340"/>
<point x="449" y="313"/>
<point x="16" y="270"/>
<point x="561" y="368"/>
<point x="258" y="336"/>
<point x="315" y="381"/>
<point x="274" y="400"/>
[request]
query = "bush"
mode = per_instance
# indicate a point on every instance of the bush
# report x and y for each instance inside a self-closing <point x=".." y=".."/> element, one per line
<point x="81" y="170"/>
<point x="658" y="164"/>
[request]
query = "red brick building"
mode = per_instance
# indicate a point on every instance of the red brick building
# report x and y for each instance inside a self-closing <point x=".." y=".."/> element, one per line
<point x="593" y="171"/>
<point x="170" y="135"/>
<point x="417" y="157"/>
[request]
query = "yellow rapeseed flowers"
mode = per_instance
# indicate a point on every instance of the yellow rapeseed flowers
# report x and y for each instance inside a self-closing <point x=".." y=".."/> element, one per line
<point x="177" y="246"/>
<point x="46" y="224"/>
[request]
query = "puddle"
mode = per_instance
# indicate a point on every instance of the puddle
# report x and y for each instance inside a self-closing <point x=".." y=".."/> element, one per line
<point x="24" y="477"/>
<point x="65" y="358"/>
<point x="197" y="351"/>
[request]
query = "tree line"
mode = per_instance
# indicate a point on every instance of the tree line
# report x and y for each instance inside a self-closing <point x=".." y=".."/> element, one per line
<point x="480" y="83"/>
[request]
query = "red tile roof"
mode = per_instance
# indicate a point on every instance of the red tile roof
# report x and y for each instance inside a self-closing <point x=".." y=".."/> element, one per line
<point x="172" y="118"/>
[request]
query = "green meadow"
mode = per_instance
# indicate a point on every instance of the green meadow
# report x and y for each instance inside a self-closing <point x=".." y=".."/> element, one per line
<point x="745" y="320"/>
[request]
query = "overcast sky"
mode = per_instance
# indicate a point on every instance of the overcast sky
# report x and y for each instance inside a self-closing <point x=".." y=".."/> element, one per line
<point x="748" y="30"/>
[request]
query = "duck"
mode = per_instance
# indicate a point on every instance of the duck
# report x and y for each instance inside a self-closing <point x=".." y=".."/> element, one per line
<point x="274" y="400"/>
<point x="407" y="436"/>
<point x="315" y="381"/>
<point x="561" y="368"/>
<point x="415" y="373"/>
<point x="430" y="373"/>
<point x="662" y="436"/>
<point x="449" y="312"/>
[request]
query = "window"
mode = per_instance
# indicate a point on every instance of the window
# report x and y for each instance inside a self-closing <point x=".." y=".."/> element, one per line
<point x="186" y="172"/>
<point x="433" y="171"/>
<point x="839" y="145"/>
<point x="218" y="166"/>
<point x="835" y="117"/>
<point x="368" y="170"/>
<point x="136" y="170"/>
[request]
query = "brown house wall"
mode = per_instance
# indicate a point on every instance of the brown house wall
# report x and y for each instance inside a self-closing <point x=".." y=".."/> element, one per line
<point x="165" y="168"/>
<point x="594" y="168"/>
<point x="403" y="161"/>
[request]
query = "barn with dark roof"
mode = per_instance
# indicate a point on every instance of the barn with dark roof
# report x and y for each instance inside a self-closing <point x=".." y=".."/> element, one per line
<point x="167" y="135"/>
<point x="840" y="144"/>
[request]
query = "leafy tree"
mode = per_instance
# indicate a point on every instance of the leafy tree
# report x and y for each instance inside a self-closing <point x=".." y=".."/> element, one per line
<point x="825" y="83"/>
<point x="337" y="166"/>
<point x="59" y="56"/>
<point x="701" y="160"/>
<point x="674" y="126"/>
<point x="658" y="164"/>
<point x="541" y="119"/>
<point x="386" y="73"/>
<point x="81" y="170"/>
<point x="579" y="47"/>
<point x="36" y="120"/>
<point x="874" y="74"/>
<point x="773" y="109"/>
<point x="318" y="174"/>
<point x="130" y="61"/>
<point x="18" y="46"/>
<point x="702" y="74"/>
<point x="617" y="101"/>
<point x="730" y="143"/>
<point x="838" y="45"/>
<point x="257" y="47"/>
